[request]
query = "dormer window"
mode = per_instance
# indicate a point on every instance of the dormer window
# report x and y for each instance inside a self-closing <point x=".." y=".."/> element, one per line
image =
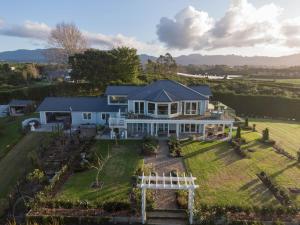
<point x="117" y="99"/>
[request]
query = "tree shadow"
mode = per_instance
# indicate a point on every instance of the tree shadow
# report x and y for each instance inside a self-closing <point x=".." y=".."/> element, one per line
<point x="284" y="169"/>
<point x="202" y="150"/>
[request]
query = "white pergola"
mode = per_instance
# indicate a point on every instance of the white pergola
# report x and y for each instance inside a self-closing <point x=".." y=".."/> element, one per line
<point x="168" y="183"/>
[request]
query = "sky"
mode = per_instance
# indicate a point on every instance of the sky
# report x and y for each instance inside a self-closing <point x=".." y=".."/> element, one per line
<point x="241" y="27"/>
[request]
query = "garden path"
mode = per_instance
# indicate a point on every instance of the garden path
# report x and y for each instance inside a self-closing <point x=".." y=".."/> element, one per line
<point x="164" y="163"/>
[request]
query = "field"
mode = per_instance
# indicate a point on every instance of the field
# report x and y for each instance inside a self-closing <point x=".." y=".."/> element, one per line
<point x="286" y="134"/>
<point x="227" y="179"/>
<point x="116" y="175"/>
<point x="10" y="133"/>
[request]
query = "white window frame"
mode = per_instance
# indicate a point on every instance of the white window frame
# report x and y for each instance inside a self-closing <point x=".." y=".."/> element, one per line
<point x="88" y="115"/>
<point x="154" y="103"/>
<point x="177" y="111"/>
<point x="185" y="108"/>
<point x="139" y="109"/>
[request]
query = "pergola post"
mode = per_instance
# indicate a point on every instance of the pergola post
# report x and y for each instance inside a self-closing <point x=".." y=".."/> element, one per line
<point x="230" y="132"/>
<point x="191" y="205"/>
<point x="204" y="128"/>
<point x="143" y="205"/>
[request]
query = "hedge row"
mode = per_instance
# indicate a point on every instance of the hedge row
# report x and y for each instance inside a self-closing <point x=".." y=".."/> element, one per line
<point x="252" y="105"/>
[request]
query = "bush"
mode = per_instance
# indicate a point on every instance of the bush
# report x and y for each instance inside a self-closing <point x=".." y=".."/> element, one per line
<point x="36" y="176"/>
<point x="116" y="206"/>
<point x="182" y="199"/>
<point x="149" y="146"/>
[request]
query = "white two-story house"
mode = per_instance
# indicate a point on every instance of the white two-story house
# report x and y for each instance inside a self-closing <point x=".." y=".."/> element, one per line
<point x="162" y="108"/>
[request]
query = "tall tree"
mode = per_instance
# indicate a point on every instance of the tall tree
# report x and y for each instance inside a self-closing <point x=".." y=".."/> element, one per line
<point x="67" y="40"/>
<point x="102" y="67"/>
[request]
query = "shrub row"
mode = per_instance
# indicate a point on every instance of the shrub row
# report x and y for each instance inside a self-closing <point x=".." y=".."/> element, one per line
<point x="280" y="193"/>
<point x="262" y="211"/>
<point x="109" y="206"/>
<point x="281" y="151"/>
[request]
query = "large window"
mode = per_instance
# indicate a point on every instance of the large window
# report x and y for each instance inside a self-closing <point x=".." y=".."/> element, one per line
<point x="151" y="108"/>
<point x="113" y="99"/>
<point x="191" y="108"/>
<point x="188" y="128"/>
<point x="139" y="107"/>
<point x="174" y="108"/>
<point x="87" y="116"/>
<point x="162" y="109"/>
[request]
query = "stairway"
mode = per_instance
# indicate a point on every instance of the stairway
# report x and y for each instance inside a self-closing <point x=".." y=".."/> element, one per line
<point x="167" y="217"/>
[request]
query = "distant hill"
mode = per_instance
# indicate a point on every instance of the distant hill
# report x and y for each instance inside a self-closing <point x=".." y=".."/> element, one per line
<point x="38" y="55"/>
<point x="23" y="55"/>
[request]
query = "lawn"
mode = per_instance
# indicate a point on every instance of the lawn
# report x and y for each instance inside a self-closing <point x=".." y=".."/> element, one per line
<point x="227" y="179"/>
<point x="10" y="132"/>
<point x="116" y="174"/>
<point x="17" y="162"/>
<point x="288" y="81"/>
<point x="285" y="133"/>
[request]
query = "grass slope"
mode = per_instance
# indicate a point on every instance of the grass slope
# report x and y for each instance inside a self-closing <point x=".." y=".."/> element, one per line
<point x="227" y="179"/>
<point x="286" y="134"/>
<point x="10" y="132"/>
<point x="116" y="175"/>
<point x="17" y="163"/>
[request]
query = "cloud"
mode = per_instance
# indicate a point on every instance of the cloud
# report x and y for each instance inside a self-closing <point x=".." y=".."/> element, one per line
<point x="29" y="29"/>
<point x="185" y="30"/>
<point x="35" y="31"/>
<point x="242" y="25"/>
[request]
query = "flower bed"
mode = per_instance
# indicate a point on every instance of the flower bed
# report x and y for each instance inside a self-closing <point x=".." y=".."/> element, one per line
<point x="150" y="146"/>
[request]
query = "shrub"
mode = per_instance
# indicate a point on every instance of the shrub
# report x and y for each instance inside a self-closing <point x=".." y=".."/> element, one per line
<point x="116" y="206"/>
<point x="298" y="156"/>
<point x="238" y="133"/>
<point x="182" y="199"/>
<point x="36" y="176"/>
<point x="149" y="145"/>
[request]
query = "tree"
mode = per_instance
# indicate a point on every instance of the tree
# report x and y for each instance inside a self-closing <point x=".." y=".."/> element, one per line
<point x="238" y="133"/>
<point x="265" y="134"/>
<point x="99" y="164"/>
<point x="67" y="40"/>
<point x="253" y="127"/>
<point x="298" y="156"/>
<point x="246" y="122"/>
<point x="101" y="67"/>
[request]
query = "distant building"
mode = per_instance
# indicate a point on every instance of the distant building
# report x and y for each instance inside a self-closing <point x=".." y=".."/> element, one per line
<point x="20" y="107"/>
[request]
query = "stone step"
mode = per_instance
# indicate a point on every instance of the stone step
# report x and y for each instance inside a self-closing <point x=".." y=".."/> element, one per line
<point x="168" y="214"/>
<point x="163" y="221"/>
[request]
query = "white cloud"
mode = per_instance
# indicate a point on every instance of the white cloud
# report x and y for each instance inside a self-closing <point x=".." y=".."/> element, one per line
<point x="29" y="29"/>
<point x="243" y="25"/>
<point x="35" y="31"/>
<point x="185" y="30"/>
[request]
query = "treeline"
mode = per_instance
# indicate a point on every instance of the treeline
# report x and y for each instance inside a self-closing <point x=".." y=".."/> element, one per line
<point x="40" y="92"/>
<point x="261" y="106"/>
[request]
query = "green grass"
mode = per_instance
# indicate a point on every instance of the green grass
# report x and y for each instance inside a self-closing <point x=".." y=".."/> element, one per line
<point x="116" y="175"/>
<point x="16" y="164"/>
<point x="10" y="132"/>
<point x="288" y="81"/>
<point x="227" y="179"/>
<point x="286" y="134"/>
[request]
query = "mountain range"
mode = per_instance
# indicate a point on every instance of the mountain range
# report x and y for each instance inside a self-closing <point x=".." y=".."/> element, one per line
<point x="38" y="56"/>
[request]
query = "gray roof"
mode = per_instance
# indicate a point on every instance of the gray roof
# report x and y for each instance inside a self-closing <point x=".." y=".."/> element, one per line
<point x="77" y="104"/>
<point x="166" y="91"/>
<point x="18" y="102"/>
<point x="203" y="89"/>
<point x="121" y="90"/>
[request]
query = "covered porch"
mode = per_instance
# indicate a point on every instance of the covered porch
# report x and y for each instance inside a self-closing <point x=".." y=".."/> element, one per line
<point x="181" y="129"/>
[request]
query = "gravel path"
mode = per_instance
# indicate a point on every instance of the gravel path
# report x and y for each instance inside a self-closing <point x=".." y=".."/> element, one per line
<point x="163" y="163"/>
